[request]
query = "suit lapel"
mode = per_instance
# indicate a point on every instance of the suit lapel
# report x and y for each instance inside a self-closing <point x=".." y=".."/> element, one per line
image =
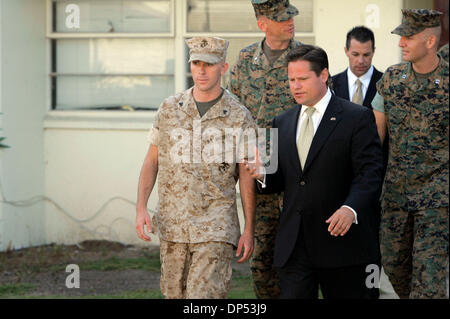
<point x="291" y="140"/>
<point x="342" y="87"/>
<point x="329" y="121"/>
<point x="372" y="89"/>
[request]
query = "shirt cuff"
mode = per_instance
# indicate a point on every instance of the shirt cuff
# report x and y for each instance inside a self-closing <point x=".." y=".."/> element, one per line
<point x="263" y="183"/>
<point x="354" y="213"/>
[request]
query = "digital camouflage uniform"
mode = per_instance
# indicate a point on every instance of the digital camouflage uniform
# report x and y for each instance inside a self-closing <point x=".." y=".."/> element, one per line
<point x="264" y="90"/>
<point x="443" y="52"/>
<point x="414" y="222"/>
<point x="197" y="217"/>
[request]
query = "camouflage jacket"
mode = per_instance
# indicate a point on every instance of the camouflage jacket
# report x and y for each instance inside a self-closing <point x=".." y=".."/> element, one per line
<point x="443" y="52"/>
<point x="418" y="122"/>
<point x="197" y="192"/>
<point x="261" y="87"/>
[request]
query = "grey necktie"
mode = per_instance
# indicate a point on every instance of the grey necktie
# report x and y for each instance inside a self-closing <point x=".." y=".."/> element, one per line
<point x="306" y="136"/>
<point x="358" y="96"/>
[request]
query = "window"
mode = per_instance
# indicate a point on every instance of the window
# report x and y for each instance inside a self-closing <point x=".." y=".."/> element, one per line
<point x="121" y="56"/>
<point x="236" y="16"/>
<point x="100" y="16"/>
<point x="131" y="54"/>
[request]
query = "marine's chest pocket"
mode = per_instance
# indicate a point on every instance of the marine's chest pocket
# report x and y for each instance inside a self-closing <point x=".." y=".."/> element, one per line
<point x="396" y="118"/>
<point x="222" y="175"/>
<point x="436" y="121"/>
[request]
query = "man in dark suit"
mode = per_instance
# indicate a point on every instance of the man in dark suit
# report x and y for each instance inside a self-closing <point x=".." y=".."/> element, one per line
<point x="358" y="82"/>
<point x="329" y="167"/>
<point x="360" y="49"/>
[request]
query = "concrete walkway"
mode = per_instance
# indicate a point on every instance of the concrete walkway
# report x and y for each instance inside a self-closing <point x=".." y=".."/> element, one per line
<point x="386" y="289"/>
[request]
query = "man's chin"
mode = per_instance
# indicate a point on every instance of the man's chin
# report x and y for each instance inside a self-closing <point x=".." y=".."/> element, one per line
<point x="360" y="72"/>
<point x="299" y="101"/>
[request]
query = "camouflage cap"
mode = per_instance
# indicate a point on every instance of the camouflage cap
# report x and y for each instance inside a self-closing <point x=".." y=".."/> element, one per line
<point x="207" y="49"/>
<point x="276" y="10"/>
<point x="417" y="20"/>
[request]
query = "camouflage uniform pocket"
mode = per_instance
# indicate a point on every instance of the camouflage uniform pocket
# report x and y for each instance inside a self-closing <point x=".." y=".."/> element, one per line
<point x="436" y="121"/>
<point x="396" y="117"/>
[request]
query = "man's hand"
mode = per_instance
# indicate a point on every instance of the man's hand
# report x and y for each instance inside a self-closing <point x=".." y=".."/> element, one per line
<point x="340" y="222"/>
<point x="246" y="242"/>
<point x="255" y="169"/>
<point x="142" y="219"/>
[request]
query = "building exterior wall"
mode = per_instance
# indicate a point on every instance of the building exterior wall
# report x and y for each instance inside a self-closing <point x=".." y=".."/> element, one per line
<point x="2" y="237"/>
<point x="92" y="171"/>
<point x="23" y="95"/>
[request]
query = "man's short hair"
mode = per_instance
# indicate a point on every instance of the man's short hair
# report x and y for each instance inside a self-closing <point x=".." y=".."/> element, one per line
<point x="316" y="56"/>
<point x="360" y="34"/>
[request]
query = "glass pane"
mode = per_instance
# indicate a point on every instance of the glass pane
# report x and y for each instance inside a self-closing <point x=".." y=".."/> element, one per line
<point x="238" y="16"/>
<point x="235" y="46"/>
<point x="113" y="16"/>
<point x="112" y="92"/>
<point x="131" y="56"/>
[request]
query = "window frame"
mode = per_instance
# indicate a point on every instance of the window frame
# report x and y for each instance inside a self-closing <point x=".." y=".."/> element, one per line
<point x="178" y="32"/>
<point x="93" y="35"/>
<point x="52" y="37"/>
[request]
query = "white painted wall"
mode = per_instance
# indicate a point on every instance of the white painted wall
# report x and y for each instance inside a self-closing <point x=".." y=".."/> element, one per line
<point x="22" y="100"/>
<point x="1" y="127"/>
<point x="93" y="160"/>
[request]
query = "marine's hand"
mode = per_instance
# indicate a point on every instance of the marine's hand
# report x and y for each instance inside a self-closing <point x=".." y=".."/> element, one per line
<point x="255" y="168"/>
<point x="246" y="243"/>
<point x="142" y="219"/>
<point x="340" y="222"/>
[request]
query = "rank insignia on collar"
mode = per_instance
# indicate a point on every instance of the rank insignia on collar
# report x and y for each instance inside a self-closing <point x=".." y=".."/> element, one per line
<point x="404" y="76"/>
<point x="437" y="81"/>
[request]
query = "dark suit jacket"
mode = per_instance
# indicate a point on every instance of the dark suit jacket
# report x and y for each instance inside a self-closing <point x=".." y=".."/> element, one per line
<point x="340" y="86"/>
<point x="343" y="168"/>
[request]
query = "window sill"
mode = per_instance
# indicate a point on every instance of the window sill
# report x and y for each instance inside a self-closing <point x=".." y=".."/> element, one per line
<point x="100" y="120"/>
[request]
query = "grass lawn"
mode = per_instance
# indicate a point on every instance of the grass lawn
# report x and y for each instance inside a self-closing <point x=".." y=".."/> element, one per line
<point x="241" y="285"/>
<point x="241" y="288"/>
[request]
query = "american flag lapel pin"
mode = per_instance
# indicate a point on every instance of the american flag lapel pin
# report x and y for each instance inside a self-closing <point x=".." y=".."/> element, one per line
<point x="333" y="119"/>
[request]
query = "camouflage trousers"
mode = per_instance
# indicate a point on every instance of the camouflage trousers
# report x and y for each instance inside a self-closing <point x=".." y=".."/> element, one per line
<point x="414" y="252"/>
<point x="265" y="280"/>
<point x="195" y="271"/>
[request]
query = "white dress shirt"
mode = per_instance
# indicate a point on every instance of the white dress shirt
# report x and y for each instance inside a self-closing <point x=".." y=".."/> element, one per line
<point x="365" y="80"/>
<point x="320" y="107"/>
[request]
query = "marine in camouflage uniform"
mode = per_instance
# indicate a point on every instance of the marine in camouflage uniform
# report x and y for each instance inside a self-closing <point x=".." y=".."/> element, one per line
<point x="197" y="217"/>
<point x="414" y="222"/>
<point x="263" y="88"/>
